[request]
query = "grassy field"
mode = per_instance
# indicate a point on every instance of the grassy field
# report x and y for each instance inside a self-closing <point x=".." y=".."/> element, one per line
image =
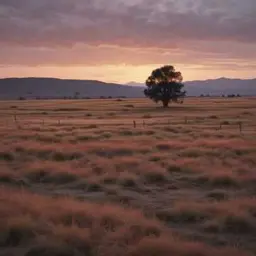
<point x="126" y="177"/>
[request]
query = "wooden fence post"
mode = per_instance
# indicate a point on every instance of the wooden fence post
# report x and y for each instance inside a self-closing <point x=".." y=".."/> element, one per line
<point x="15" y="118"/>
<point x="240" y="127"/>
<point x="16" y="121"/>
<point x="134" y="124"/>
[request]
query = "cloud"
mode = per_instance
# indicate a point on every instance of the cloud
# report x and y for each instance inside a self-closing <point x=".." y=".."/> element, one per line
<point x="139" y="23"/>
<point x="195" y="53"/>
<point x="196" y="35"/>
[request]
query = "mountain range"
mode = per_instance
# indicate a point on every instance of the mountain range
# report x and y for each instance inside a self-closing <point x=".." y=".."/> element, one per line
<point x="30" y="88"/>
<point x="217" y="87"/>
<point x="13" y="88"/>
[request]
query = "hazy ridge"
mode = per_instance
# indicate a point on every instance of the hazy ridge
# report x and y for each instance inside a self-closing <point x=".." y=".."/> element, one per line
<point x="29" y="88"/>
<point x="217" y="87"/>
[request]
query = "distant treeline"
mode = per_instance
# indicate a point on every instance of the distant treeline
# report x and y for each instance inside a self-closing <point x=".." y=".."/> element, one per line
<point x="70" y="98"/>
<point x="120" y="97"/>
<point x="223" y="96"/>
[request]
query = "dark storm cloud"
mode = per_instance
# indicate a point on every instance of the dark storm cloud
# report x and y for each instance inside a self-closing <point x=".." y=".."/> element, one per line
<point x="134" y="23"/>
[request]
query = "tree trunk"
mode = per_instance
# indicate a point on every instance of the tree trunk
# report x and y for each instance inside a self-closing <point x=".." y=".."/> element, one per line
<point x="165" y="103"/>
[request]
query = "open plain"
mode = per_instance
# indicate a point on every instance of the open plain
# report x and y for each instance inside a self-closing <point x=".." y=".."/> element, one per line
<point x="127" y="177"/>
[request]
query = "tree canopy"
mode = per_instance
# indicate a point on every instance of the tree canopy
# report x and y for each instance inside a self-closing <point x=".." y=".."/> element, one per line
<point x="165" y="85"/>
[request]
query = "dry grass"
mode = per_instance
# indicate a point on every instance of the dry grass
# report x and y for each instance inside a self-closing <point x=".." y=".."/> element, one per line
<point x="243" y="209"/>
<point x="37" y="224"/>
<point x="82" y="179"/>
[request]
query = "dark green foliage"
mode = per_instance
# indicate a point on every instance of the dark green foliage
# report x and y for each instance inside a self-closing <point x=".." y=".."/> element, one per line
<point x="165" y="85"/>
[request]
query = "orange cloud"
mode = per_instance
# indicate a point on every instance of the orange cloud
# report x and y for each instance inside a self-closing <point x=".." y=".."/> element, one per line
<point x="194" y="34"/>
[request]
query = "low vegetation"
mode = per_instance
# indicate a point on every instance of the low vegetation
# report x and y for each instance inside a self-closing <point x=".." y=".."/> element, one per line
<point x="92" y="179"/>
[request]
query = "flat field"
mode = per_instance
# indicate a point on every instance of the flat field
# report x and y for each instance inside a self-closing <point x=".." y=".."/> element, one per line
<point x="127" y="177"/>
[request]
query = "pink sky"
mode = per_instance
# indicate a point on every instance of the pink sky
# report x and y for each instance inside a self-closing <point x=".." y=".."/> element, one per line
<point x="122" y="41"/>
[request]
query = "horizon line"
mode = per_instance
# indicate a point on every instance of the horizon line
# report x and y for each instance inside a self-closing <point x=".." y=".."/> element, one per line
<point x="116" y="82"/>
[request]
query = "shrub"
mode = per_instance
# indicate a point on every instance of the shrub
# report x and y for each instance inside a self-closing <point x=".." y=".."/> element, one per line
<point x="106" y="135"/>
<point x="126" y="133"/>
<point x="94" y="187"/>
<point x="156" y="177"/>
<point x="155" y="159"/>
<point x="62" y="157"/>
<point x="128" y="182"/>
<point x="238" y="224"/>
<point x="213" y="117"/>
<point x="92" y="126"/>
<point x="218" y="195"/>
<point x="182" y="216"/>
<point x="224" y="181"/>
<point x="147" y="116"/>
<point x="163" y="147"/>
<point x="7" y="156"/>
<point x="129" y="106"/>
<point x="174" y="168"/>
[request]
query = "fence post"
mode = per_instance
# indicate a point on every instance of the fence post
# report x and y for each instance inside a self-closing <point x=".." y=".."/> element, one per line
<point x="134" y="124"/>
<point x="15" y="118"/>
<point x="240" y="126"/>
<point x="144" y="124"/>
<point x="16" y="121"/>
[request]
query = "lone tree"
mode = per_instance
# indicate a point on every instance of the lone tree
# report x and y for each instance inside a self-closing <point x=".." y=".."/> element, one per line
<point x="165" y="85"/>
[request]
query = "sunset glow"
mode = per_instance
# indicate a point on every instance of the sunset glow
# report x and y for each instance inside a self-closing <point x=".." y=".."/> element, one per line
<point x="117" y="41"/>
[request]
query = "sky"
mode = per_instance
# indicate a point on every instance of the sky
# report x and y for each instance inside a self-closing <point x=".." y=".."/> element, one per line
<point x="124" y="40"/>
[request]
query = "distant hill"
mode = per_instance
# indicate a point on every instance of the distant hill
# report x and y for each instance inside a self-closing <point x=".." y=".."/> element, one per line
<point x="244" y="87"/>
<point x="217" y="87"/>
<point x="31" y="88"/>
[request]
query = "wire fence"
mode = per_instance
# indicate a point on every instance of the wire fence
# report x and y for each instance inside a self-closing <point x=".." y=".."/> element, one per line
<point x="203" y="123"/>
